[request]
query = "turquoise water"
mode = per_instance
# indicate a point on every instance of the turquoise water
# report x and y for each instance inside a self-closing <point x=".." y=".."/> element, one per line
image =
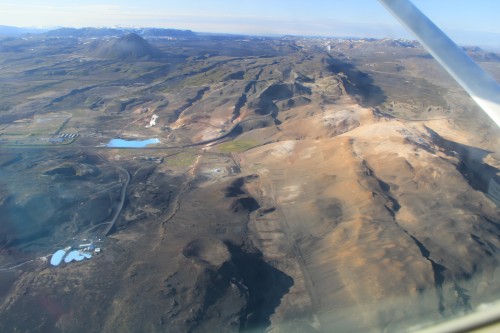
<point x="120" y="143"/>
<point x="57" y="257"/>
<point x="76" y="256"/>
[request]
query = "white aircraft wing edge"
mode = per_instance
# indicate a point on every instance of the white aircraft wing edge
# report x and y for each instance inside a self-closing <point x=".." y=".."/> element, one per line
<point x="479" y="85"/>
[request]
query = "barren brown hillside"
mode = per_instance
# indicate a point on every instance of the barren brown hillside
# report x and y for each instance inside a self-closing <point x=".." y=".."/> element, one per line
<point x="290" y="187"/>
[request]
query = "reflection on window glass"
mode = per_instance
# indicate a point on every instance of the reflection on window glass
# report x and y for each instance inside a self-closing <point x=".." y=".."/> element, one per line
<point x="242" y="167"/>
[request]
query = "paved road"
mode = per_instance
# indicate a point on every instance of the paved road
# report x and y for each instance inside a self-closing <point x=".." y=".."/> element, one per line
<point x="204" y="142"/>
<point x="122" y="201"/>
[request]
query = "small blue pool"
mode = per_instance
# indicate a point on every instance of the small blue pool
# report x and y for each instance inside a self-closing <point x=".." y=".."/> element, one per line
<point x="120" y="143"/>
<point x="57" y="257"/>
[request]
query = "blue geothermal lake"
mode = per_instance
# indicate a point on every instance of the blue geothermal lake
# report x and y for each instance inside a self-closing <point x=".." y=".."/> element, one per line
<point x="120" y="143"/>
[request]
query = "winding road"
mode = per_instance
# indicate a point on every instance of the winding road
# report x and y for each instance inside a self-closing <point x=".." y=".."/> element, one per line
<point x="122" y="201"/>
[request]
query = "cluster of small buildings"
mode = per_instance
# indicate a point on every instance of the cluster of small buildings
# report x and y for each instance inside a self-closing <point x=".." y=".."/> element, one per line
<point x="63" y="137"/>
<point x="75" y="253"/>
<point x="69" y="136"/>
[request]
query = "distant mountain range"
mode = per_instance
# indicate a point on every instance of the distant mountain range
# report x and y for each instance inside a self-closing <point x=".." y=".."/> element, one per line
<point x="8" y="31"/>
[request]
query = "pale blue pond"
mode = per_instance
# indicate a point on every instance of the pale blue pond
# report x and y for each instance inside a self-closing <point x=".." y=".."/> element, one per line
<point x="76" y="256"/>
<point x="57" y="257"/>
<point x="120" y="143"/>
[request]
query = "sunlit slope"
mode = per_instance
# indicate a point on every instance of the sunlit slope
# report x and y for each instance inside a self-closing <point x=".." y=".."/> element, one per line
<point x="301" y="185"/>
<point x="383" y="218"/>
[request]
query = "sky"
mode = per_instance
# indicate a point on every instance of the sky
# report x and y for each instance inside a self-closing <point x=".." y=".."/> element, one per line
<point x="468" y="22"/>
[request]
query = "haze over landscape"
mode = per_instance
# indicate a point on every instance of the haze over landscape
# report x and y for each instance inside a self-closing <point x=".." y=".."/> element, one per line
<point x="165" y="180"/>
<point x="467" y="23"/>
